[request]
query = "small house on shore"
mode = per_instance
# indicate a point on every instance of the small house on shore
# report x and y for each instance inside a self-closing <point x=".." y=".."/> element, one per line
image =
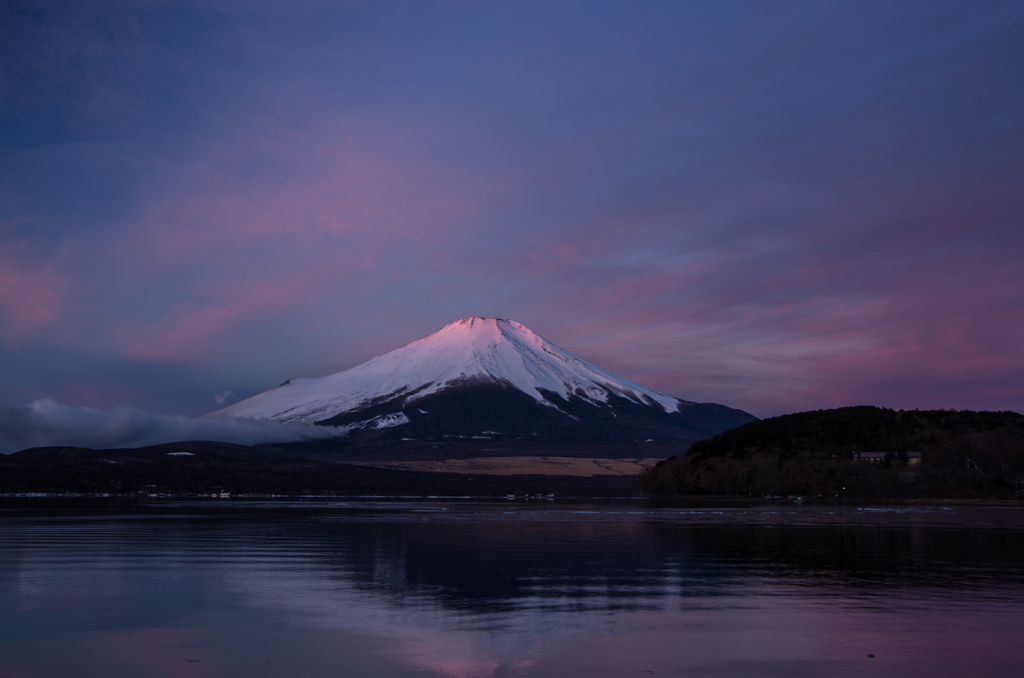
<point x="913" y="458"/>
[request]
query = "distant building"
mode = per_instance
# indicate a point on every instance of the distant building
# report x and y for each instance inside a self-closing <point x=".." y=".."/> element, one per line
<point x="913" y="458"/>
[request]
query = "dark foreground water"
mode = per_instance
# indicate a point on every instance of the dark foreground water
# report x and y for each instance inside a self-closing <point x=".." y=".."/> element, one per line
<point x="469" y="589"/>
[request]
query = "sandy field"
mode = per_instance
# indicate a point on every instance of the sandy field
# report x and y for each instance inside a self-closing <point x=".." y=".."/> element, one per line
<point x="507" y="466"/>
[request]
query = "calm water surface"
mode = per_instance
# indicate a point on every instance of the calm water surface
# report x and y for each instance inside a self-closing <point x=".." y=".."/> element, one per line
<point x="468" y="589"/>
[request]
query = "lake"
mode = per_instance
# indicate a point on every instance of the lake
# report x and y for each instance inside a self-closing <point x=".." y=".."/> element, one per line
<point x="471" y="588"/>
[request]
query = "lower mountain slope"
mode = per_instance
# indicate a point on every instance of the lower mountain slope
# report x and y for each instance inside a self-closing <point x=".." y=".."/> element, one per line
<point x="494" y="411"/>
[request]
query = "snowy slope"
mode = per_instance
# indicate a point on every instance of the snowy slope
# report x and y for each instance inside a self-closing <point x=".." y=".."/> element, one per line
<point x="469" y="350"/>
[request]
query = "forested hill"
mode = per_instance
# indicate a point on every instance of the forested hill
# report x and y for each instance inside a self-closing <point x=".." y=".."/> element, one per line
<point x="963" y="454"/>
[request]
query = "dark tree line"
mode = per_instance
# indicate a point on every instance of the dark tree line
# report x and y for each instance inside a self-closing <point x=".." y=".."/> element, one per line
<point x="964" y="454"/>
<point x="209" y="467"/>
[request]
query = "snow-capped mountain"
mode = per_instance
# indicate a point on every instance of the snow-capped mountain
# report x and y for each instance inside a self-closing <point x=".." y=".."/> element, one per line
<point x="495" y="375"/>
<point x="468" y="350"/>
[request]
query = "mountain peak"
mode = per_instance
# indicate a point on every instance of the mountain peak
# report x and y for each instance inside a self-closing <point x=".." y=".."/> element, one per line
<point x="478" y="334"/>
<point x="476" y="322"/>
<point x="474" y="327"/>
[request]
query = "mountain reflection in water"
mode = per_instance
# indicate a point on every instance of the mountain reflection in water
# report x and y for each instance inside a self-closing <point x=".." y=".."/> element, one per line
<point x="481" y="589"/>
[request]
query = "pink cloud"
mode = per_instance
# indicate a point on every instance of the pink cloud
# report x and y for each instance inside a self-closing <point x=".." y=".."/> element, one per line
<point x="32" y="296"/>
<point x="762" y="338"/>
<point x="188" y="331"/>
<point x="211" y="247"/>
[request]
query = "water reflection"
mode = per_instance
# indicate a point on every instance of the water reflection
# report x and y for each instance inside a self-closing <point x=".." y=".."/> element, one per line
<point x="492" y="589"/>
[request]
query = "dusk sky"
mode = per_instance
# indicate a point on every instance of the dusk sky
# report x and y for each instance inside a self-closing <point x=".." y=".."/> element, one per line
<point x="776" y="206"/>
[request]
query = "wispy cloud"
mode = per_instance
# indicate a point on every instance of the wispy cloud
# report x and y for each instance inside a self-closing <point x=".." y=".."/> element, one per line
<point x="46" y="423"/>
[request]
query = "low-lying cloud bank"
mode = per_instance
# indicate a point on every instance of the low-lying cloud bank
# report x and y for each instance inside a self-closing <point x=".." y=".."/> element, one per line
<point x="49" y="423"/>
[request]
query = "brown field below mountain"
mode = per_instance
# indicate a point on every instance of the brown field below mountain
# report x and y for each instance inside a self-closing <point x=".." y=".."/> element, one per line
<point x="508" y="466"/>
